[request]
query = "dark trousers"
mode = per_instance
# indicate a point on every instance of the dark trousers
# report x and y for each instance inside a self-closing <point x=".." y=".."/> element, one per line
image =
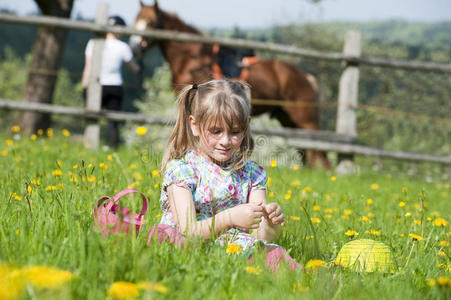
<point x="111" y="100"/>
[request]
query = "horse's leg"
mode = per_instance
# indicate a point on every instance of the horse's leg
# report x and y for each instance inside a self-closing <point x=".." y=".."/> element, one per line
<point x="299" y="88"/>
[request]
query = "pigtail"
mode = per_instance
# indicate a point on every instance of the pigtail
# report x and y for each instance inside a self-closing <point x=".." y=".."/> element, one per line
<point x="181" y="139"/>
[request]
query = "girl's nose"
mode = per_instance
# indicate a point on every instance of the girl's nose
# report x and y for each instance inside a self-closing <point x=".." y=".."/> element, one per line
<point x="226" y="139"/>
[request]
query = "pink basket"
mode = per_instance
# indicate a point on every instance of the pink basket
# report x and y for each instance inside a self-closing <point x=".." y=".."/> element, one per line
<point x="110" y="217"/>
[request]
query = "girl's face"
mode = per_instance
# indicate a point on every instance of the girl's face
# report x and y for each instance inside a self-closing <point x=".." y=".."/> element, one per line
<point x="217" y="141"/>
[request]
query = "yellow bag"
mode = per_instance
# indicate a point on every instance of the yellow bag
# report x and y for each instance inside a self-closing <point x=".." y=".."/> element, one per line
<point x="366" y="255"/>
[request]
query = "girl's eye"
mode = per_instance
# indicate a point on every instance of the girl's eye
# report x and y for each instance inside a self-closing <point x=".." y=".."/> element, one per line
<point x="215" y="131"/>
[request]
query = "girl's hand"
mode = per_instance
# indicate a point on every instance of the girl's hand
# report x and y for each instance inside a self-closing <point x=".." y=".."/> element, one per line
<point x="274" y="213"/>
<point x="247" y="215"/>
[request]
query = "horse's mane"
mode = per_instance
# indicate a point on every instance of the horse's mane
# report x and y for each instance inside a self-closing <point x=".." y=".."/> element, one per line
<point x="173" y="22"/>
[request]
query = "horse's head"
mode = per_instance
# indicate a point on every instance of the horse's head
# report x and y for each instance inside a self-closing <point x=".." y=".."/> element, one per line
<point x="149" y="17"/>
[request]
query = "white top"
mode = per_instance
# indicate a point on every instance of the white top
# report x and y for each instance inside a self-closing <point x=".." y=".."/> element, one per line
<point x="114" y="54"/>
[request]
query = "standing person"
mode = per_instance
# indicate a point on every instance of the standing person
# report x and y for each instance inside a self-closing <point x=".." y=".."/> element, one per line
<point x="210" y="185"/>
<point x="115" y="53"/>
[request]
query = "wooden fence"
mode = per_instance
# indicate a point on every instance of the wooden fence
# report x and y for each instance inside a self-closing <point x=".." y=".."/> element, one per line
<point x="342" y="141"/>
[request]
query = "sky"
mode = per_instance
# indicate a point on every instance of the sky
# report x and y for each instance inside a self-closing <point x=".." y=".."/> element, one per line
<point x="263" y="13"/>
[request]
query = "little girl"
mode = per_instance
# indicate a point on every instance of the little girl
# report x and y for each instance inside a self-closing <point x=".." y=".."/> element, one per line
<point x="210" y="187"/>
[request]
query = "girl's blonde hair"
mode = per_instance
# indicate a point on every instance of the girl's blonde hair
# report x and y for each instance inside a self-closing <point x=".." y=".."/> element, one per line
<point x="211" y="102"/>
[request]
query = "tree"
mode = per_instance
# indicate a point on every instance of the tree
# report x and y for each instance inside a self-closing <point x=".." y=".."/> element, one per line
<point x="47" y="54"/>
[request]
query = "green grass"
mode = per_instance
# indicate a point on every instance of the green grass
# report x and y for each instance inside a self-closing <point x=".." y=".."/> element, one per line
<point x="55" y="228"/>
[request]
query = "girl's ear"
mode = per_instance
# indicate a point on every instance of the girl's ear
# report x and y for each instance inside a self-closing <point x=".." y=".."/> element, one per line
<point x="194" y="126"/>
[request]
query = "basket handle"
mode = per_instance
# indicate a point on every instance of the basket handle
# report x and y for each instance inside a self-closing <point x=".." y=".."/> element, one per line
<point x="95" y="210"/>
<point x="131" y="191"/>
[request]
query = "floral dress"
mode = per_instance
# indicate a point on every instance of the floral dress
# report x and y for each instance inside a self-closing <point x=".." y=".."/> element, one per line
<point x="214" y="189"/>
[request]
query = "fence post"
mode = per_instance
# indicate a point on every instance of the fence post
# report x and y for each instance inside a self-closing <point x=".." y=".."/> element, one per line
<point x="347" y="99"/>
<point x="94" y="92"/>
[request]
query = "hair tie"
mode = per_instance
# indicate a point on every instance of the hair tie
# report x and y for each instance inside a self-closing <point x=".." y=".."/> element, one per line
<point x="195" y="86"/>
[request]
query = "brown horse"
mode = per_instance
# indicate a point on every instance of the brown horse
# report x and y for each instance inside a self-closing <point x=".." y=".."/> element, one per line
<point x="269" y="79"/>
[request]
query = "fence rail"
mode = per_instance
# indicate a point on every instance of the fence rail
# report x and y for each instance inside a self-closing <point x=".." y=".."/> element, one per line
<point x="240" y="43"/>
<point x="306" y="139"/>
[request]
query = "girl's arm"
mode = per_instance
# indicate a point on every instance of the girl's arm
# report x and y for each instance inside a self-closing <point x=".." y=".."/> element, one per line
<point x="183" y="211"/>
<point x="269" y="228"/>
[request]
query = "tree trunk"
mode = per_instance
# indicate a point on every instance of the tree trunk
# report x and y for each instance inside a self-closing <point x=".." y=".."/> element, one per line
<point x="47" y="54"/>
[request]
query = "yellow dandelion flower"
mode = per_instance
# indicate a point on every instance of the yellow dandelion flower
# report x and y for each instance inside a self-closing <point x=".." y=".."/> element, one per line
<point x="333" y="178"/>
<point x="40" y="132"/>
<point x="315" y="220"/>
<point x="374" y="232"/>
<point x="75" y="167"/>
<point x="17" y="232"/>
<point x="90" y="166"/>
<point x="327" y="197"/>
<point x="418" y="222"/>
<point x="5" y="152"/>
<point x="133" y="166"/>
<point x="404" y="190"/>
<point x="307" y="189"/>
<point x="46" y="277"/>
<point x="351" y="233"/>
<point x="15" y="128"/>
<point x="50" y="188"/>
<point x="29" y="189"/>
<point x="374" y="186"/>
<point x="295" y="167"/>
<point x="370" y="214"/>
<point x="155" y="173"/>
<point x="33" y="137"/>
<point x="91" y="178"/>
<point x="57" y="173"/>
<point x="287" y="196"/>
<point x="233" y="249"/>
<point x="315" y="264"/>
<point x="440" y="222"/>
<point x="271" y="194"/>
<point x="152" y="286"/>
<point x="73" y="179"/>
<point x="309" y="237"/>
<point x="102" y="165"/>
<point x="123" y="290"/>
<point x="252" y="270"/>
<point x="431" y="282"/>
<point x="296" y="183"/>
<point x="441" y="253"/>
<point x="109" y="157"/>
<point x="294" y="218"/>
<point x="347" y="212"/>
<point x="415" y="237"/>
<point x="401" y="234"/>
<point x="328" y="210"/>
<point x="141" y="130"/>
<point x="407" y="214"/>
<point x="273" y="163"/>
<point x="327" y="216"/>
<point x="369" y="201"/>
<point x="17" y="197"/>
<point x="444" y="281"/>
<point x="316" y="208"/>
<point x="66" y="132"/>
<point x="444" y="244"/>
<point x="156" y="185"/>
<point x="9" y="142"/>
<point x="49" y="132"/>
<point x="402" y="204"/>
<point x="364" y="219"/>
<point x="435" y="213"/>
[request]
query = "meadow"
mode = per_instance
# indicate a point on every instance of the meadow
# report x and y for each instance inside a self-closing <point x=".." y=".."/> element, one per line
<point x="49" y="250"/>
